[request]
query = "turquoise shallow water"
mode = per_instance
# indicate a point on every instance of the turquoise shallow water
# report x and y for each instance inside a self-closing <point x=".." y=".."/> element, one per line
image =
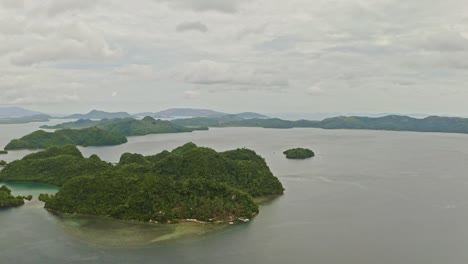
<point x="367" y="197"/>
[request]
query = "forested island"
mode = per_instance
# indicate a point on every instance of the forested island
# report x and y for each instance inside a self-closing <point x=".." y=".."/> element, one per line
<point x="189" y="182"/>
<point x="3" y="152"/>
<point x="299" y="153"/>
<point x="92" y="136"/>
<point x="8" y="200"/>
<point x="3" y="163"/>
<point x="106" y="132"/>
<point x="391" y="122"/>
<point x="129" y="126"/>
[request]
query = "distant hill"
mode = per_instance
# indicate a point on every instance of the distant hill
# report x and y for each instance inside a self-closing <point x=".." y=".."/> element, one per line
<point x="25" y="119"/>
<point x="96" y="114"/>
<point x="192" y="112"/>
<point x="92" y="136"/>
<point x="390" y="122"/>
<point x="128" y="126"/>
<point x="15" y="112"/>
<point x="183" y="112"/>
<point x="237" y="121"/>
<point x="251" y="115"/>
<point x="399" y="123"/>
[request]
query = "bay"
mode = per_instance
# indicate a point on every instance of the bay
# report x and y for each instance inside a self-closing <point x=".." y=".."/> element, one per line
<point x="367" y="197"/>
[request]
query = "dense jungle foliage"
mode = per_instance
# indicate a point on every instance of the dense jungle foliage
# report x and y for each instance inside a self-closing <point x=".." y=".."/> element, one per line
<point x="189" y="182"/>
<point x="83" y="137"/>
<point x="129" y="126"/>
<point x="8" y="200"/>
<point x="299" y="153"/>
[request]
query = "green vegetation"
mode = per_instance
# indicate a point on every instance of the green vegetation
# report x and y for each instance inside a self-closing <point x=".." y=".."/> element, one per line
<point x="8" y="200"/>
<point x="3" y="163"/>
<point x="399" y="123"/>
<point x="146" y="197"/>
<point x="237" y="121"/>
<point x="129" y="126"/>
<point x="391" y="122"/>
<point x="299" y="153"/>
<point x="3" y="152"/>
<point x="44" y="197"/>
<point x="207" y="121"/>
<point x="53" y="166"/>
<point x="190" y="182"/>
<point x="84" y="137"/>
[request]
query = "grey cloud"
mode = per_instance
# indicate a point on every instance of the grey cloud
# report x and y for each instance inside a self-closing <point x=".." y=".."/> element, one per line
<point x="279" y="43"/>
<point x="370" y="54"/>
<point x="56" y="7"/>
<point x="12" y="3"/>
<point x="192" y="26"/>
<point x="447" y="41"/>
<point x="228" y="6"/>
<point x="430" y="61"/>
<point x="251" y="30"/>
<point x="207" y="72"/>
<point x="12" y="27"/>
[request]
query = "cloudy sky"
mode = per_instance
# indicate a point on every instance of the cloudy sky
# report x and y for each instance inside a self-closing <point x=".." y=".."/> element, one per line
<point x="399" y="56"/>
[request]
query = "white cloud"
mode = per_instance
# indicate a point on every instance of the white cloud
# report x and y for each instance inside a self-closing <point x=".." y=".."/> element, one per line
<point x="315" y="90"/>
<point x="190" y="94"/>
<point x="136" y="71"/>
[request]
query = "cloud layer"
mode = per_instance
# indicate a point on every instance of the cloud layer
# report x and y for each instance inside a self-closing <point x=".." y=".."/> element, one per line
<point x="270" y="56"/>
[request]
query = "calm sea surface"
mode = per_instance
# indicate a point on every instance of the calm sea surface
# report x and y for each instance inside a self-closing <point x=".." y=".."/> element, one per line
<point x="368" y="197"/>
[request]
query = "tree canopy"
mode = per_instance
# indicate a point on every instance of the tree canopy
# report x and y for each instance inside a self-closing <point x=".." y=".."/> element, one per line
<point x="189" y="182"/>
<point x="92" y="136"/>
<point x="8" y="200"/>
<point x="52" y="166"/>
<point x="129" y="126"/>
<point x="390" y="122"/>
<point x="299" y="153"/>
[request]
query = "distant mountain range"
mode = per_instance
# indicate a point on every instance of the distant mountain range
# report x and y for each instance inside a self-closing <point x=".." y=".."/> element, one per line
<point x="203" y="118"/>
<point x="128" y="126"/>
<point x="251" y="115"/>
<point x="15" y="112"/>
<point x="96" y="114"/>
<point x="192" y="112"/>
<point x="183" y="112"/>
<point x="25" y="119"/>
<point x="390" y="122"/>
